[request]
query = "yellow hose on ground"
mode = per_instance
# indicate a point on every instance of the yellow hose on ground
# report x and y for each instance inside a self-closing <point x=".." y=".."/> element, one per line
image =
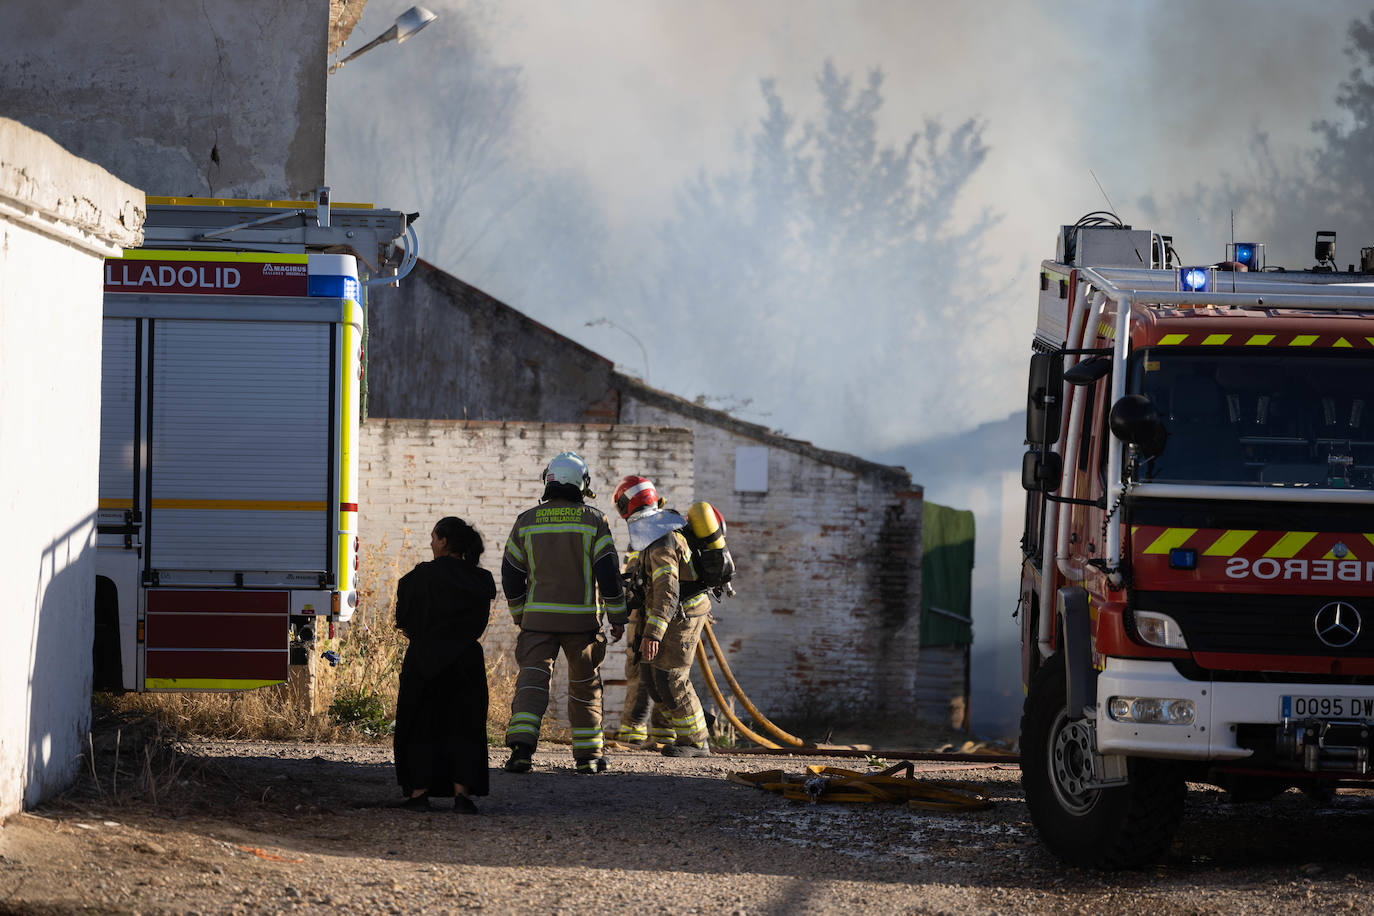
<point x="758" y="717"/>
<point x="720" y="702"/>
<point x="832" y="784"/>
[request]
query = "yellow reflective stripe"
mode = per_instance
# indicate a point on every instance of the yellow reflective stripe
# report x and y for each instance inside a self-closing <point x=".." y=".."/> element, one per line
<point x="256" y="505"/>
<point x="1171" y="339"/>
<point x="114" y="503"/>
<point x="200" y="683"/>
<point x="1342" y="342"/>
<point x="1288" y="545"/>
<point x="1171" y="538"/>
<point x="1214" y="340"/>
<point x="241" y="257"/>
<point x="1369" y="538"/>
<point x="1259" y="340"/>
<point x="1350" y="555"/>
<point x="1229" y="543"/>
<point x="1303" y="340"/>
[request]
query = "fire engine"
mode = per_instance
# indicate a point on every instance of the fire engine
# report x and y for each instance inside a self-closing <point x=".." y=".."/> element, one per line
<point x="231" y="376"/>
<point x="1197" y="591"/>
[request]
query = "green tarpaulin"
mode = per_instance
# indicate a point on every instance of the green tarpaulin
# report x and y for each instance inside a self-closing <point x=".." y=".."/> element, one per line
<point x="946" y="576"/>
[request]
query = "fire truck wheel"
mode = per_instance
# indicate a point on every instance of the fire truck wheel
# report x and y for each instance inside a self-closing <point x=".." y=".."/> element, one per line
<point x="1120" y="827"/>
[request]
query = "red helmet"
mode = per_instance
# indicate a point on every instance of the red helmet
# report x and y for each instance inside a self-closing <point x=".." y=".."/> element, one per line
<point x="633" y="494"/>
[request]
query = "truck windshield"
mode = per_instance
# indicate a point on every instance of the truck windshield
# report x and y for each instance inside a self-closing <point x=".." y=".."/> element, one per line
<point x="1262" y="418"/>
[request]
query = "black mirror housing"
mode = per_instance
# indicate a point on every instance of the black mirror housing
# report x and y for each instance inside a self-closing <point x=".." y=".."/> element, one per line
<point x="1041" y="472"/>
<point x="1135" y="421"/>
<point x="1043" y="396"/>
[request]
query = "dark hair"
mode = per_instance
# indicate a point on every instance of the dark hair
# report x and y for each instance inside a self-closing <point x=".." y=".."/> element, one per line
<point x="567" y="491"/>
<point x="462" y="539"/>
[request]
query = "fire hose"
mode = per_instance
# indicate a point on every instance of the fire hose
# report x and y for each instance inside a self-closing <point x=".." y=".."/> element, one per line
<point x="735" y="688"/>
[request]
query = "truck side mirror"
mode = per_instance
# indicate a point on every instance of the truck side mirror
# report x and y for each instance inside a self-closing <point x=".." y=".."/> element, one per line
<point x="1041" y="472"/>
<point x="1043" y="397"/>
<point x="1135" y="421"/>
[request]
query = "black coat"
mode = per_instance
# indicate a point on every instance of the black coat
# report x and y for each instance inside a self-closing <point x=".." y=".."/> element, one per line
<point x="441" y="708"/>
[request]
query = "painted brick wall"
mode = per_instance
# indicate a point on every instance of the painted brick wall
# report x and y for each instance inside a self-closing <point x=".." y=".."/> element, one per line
<point x="827" y="615"/>
<point x="414" y="472"/>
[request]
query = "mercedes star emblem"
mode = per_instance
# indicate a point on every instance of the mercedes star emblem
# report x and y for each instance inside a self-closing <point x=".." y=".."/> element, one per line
<point x="1337" y="624"/>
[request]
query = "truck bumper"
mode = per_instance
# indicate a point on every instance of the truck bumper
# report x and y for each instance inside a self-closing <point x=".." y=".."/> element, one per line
<point x="1223" y="710"/>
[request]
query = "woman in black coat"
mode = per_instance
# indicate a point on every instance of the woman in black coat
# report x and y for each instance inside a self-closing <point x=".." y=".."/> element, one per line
<point x="441" y="708"/>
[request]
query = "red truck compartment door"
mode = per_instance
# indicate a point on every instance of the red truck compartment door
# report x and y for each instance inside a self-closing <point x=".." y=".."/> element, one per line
<point x="206" y="639"/>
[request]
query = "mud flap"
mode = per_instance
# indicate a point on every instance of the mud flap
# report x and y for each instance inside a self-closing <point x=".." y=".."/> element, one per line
<point x="1080" y="678"/>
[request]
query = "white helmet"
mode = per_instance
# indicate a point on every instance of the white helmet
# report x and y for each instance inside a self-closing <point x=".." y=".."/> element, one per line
<point x="569" y="468"/>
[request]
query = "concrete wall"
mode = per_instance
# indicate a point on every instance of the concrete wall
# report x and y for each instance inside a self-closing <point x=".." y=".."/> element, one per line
<point x="178" y="98"/>
<point x="826" y="622"/>
<point x="59" y="216"/>
<point x="442" y="349"/>
<point x="414" y="472"/>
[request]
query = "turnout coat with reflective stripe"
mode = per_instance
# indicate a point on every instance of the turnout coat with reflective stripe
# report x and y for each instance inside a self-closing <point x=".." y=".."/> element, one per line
<point x="555" y="546"/>
<point x="666" y="564"/>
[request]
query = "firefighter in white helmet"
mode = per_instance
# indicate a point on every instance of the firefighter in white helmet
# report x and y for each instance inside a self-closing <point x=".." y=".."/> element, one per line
<point x="559" y="554"/>
<point x="672" y="628"/>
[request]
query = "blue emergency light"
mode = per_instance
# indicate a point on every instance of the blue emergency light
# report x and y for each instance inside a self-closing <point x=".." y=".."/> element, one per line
<point x="1195" y="279"/>
<point x="1246" y="253"/>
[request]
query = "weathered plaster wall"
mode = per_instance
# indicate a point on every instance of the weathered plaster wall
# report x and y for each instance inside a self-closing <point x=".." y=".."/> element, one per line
<point x="442" y="349"/>
<point x="204" y="99"/>
<point x="827" y="615"/>
<point x="59" y="217"/>
<point x="414" y="472"/>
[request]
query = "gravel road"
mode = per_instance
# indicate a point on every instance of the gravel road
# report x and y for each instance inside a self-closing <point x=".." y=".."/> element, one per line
<point x="253" y="827"/>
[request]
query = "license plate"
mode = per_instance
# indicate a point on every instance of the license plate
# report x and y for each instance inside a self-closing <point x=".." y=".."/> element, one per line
<point x="1327" y="707"/>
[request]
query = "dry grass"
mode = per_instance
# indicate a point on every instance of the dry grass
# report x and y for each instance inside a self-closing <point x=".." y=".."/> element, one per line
<point x="353" y="701"/>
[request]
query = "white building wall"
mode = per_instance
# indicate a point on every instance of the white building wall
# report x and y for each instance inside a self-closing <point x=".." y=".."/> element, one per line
<point x="826" y="622"/>
<point x="59" y="216"/>
<point x="411" y="473"/>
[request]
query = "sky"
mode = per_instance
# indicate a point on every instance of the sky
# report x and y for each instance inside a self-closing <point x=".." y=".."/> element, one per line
<point x="1141" y="107"/>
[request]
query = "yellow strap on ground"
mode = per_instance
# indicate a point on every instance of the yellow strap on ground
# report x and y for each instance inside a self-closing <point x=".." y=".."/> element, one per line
<point x="832" y="784"/>
<point x="758" y="717"/>
<point x="711" y="684"/>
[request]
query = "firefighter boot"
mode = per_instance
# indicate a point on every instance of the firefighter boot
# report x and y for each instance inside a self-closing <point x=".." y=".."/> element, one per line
<point x="687" y="750"/>
<point x="521" y="759"/>
<point x="590" y="766"/>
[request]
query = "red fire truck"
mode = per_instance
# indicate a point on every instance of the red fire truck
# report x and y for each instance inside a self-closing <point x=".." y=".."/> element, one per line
<point x="1197" y="596"/>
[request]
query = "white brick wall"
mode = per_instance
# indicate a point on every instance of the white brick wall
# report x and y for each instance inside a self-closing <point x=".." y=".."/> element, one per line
<point x="827" y="616"/>
<point x="414" y="472"/>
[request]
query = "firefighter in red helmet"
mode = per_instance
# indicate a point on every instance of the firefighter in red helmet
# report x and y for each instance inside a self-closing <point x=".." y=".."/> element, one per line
<point x="671" y="628"/>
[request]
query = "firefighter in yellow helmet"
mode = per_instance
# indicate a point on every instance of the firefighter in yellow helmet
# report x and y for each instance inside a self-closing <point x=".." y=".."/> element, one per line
<point x="672" y="628"/>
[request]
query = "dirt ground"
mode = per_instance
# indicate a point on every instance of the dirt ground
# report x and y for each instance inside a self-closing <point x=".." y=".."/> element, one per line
<point x="254" y="827"/>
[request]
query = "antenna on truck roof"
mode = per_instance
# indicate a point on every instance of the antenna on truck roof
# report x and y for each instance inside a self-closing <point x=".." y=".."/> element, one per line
<point x="1110" y="206"/>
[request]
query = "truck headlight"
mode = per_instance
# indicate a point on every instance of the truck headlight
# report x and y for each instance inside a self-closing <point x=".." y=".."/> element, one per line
<point x="1158" y="629"/>
<point x="1152" y="710"/>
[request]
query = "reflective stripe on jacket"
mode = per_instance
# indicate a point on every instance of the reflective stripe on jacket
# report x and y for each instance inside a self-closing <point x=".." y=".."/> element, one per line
<point x="667" y="562"/>
<point x="555" y="556"/>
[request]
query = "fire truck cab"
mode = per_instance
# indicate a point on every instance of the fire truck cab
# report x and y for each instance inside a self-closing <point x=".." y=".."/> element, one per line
<point x="1197" y="586"/>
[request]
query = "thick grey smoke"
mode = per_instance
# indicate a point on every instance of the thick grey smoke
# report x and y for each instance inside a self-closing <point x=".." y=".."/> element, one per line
<point x="566" y="157"/>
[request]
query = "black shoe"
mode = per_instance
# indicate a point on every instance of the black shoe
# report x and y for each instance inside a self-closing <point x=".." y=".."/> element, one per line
<point x="521" y="759"/>
<point x="464" y="805"/>
<point x="591" y="765"/>
<point x="686" y="750"/>
<point x="415" y="803"/>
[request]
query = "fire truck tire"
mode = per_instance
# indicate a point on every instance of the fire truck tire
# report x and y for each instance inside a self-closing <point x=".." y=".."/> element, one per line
<point x="1121" y="827"/>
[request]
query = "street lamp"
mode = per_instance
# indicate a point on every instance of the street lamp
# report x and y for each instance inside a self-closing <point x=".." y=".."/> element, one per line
<point x="406" y="25"/>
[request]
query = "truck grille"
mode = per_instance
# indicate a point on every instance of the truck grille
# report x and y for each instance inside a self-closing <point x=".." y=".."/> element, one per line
<point x="1259" y="624"/>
